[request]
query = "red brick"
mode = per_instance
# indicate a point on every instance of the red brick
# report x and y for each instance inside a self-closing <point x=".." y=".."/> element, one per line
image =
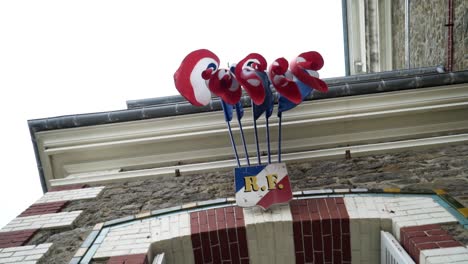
<point x="343" y="211"/>
<point x="297" y="228"/>
<point x="308" y="249"/>
<point x="194" y="229"/>
<point x="235" y="256"/>
<point x="337" y="257"/>
<point x="232" y="235"/>
<point x="300" y="258"/>
<point x="419" y="240"/>
<point x="16" y="238"/>
<point x="425" y="246"/>
<point x="298" y="243"/>
<point x="214" y="237"/>
<point x="295" y="211"/>
<point x="346" y="247"/>
<point x="336" y="233"/>
<point x="345" y="225"/>
<point x="220" y="218"/>
<point x="436" y="232"/>
<point x="223" y="240"/>
<point x="323" y="210"/>
<point x="317" y="234"/>
<point x="318" y="257"/>
<point x="197" y="254"/>
<point x="196" y="240"/>
<point x="242" y="238"/>
<point x="447" y="244"/>
<point x="211" y="221"/>
<point x="221" y="236"/>
<point x="306" y="228"/>
<point x="420" y="228"/>
<point x="216" y="253"/>
<point x="239" y="215"/>
<point x="326" y="227"/>
<point x="332" y="208"/>
<point x="44" y="208"/>
<point x="202" y="218"/>
<point x="327" y="248"/>
<point x="128" y="259"/>
<point x="313" y="207"/>
<point x="204" y="228"/>
<point x="230" y="220"/>
<point x="339" y="200"/>
<point x="336" y="238"/>
<point x="324" y="219"/>
<point x="206" y="247"/>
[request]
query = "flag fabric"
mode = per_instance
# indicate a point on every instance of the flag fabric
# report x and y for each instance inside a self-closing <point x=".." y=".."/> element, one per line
<point x="263" y="185"/>
<point x="239" y="110"/>
<point x="267" y="105"/>
<point x="227" y="109"/>
<point x="246" y="72"/>
<point x="282" y="79"/>
<point x="285" y="105"/>
<point x="190" y="78"/>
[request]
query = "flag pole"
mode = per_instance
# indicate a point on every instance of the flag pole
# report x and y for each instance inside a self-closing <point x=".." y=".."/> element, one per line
<point x="256" y="136"/>
<point x="268" y="139"/>
<point x="233" y="144"/>
<point x="239" y="116"/>
<point x="280" y="116"/>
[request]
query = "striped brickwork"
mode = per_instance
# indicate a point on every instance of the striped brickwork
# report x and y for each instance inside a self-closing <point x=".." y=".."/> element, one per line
<point x="46" y="213"/>
<point x="334" y="229"/>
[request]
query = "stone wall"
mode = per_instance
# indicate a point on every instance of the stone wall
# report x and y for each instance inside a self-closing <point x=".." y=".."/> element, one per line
<point x="428" y="33"/>
<point x="398" y="33"/>
<point x="444" y="167"/>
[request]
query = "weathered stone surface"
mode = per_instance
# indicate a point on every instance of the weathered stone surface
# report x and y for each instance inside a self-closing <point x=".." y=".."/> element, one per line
<point x="442" y="167"/>
<point x="65" y="243"/>
<point x="458" y="232"/>
<point x="428" y="33"/>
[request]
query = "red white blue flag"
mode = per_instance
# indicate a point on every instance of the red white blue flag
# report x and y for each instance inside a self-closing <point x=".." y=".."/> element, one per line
<point x="263" y="185"/>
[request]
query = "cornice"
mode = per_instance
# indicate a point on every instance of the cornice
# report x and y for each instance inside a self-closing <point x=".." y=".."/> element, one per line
<point x="199" y="142"/>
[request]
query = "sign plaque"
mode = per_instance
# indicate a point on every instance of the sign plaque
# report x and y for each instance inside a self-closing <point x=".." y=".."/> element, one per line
<point x="262" y="185"/>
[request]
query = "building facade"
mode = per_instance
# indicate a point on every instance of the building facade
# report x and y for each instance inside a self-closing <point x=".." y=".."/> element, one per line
<point x="378" y="165"/>
<point x="380" y="155"/>
<point x="388" y="35"/>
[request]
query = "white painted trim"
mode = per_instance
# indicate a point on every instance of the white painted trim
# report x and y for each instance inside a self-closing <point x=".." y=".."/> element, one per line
<point x="391" y="252"/>
<point x="359" y="18"/>
<point x="385" y="35"/>
<point x="356" y="151"/>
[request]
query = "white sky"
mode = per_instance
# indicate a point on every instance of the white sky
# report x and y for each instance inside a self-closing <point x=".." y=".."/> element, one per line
<point x="71" y="57"/>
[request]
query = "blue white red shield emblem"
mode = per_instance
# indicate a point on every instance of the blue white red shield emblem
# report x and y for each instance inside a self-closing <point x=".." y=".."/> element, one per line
<point x="263" y="185"/>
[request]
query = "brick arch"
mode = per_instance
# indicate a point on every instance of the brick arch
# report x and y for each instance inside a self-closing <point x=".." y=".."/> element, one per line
<point x="323" y="229"/>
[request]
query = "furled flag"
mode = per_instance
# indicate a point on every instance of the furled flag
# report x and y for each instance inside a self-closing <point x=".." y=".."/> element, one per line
<point x="304" y="70"/>
<point x="267" y="105"/>
<point x="223" y="84"/>
<point x="190" y="78"/>
<point x="246" y="72"/>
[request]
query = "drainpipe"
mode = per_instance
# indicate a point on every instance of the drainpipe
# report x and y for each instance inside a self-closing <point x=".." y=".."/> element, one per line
<point x="450" y="36"/>
<point x="344" y="14"/>
<point x="407" y="34"/>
